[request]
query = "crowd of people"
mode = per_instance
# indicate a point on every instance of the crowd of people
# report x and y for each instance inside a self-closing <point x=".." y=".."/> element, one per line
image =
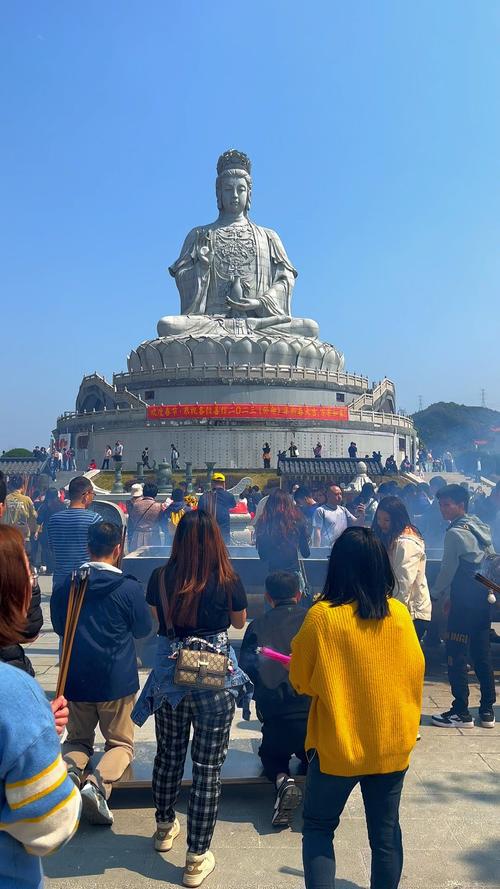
<point x="426" y="462"/>
<point x="40" y="453"/>
<point x="336" y="505"/>
<point x="326" y="686"/>
<point x="59" y="458"/>
<point x="389" y="466"/>
<point x="62" y="457"/>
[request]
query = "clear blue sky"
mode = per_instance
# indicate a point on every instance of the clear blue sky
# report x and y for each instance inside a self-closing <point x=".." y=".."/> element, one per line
<point x="374" y="132"/>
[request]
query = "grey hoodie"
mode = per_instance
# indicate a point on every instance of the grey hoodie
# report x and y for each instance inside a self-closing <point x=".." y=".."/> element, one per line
<point x="467" y="538"/>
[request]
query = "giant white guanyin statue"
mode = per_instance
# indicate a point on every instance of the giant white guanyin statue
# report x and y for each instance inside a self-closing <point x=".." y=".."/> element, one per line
<point x="234" y="277"/>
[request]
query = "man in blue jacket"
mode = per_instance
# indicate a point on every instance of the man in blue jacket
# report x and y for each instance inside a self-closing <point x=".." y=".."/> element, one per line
<point x="102" y="678"/>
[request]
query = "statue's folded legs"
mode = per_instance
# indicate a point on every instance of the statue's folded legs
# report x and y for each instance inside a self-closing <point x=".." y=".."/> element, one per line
<point x="284" y="325"/>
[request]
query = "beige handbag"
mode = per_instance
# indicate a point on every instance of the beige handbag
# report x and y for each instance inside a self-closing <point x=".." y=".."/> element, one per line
<point x="201" y="666"/>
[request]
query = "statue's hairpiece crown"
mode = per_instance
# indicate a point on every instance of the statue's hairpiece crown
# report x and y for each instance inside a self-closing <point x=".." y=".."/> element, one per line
<point x="233" y="160"/>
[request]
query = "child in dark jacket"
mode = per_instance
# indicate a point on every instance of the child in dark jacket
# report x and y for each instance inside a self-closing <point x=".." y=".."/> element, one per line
<point x="102" y="677"/>
<point x="282" y="711"/>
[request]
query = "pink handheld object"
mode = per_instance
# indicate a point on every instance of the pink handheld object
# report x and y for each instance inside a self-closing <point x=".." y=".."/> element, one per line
<point x="275" y="655"/>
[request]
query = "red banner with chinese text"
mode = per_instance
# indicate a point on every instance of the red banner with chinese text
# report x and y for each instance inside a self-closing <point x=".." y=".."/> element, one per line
<point x="247" y="412"/>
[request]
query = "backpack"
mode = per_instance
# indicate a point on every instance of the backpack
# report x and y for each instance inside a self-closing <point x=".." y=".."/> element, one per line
<point x="17" y="515"/>
<point x="489" y="567"/>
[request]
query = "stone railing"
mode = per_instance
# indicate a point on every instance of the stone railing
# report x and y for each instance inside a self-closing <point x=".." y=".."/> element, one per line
<point x="373" y="418"/>
<point x="382" y="419"/>
<point x="233" y="372"/>
<point x="72" y="415"/>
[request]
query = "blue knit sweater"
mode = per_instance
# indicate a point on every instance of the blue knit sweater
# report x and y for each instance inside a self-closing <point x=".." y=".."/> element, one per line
<point x="39" y="804"/>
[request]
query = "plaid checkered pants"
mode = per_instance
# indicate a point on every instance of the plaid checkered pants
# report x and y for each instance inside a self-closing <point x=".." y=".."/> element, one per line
<point x="211" y="714"/>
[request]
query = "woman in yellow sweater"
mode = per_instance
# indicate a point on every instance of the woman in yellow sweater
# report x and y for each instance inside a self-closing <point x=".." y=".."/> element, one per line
<point x="358" y="657"/>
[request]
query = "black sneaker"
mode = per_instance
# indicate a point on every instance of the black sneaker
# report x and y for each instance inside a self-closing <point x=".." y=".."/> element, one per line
<point x="75" y="775"/>
<point x="289" y="796"/>
<point x="94" y="807"/>
<point x="450" y="719"/>
<point x="487" y="718"/>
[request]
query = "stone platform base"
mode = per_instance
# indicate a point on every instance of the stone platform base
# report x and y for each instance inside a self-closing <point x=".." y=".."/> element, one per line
<point x="242" y="765"/>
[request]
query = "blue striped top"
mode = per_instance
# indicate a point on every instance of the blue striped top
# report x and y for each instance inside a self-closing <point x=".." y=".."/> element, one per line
<point x="68" y="532"/>
<point x="39" y="804"/>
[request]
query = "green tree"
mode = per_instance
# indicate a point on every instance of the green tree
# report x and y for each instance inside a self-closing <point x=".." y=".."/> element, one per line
<point x="17" y="453"/>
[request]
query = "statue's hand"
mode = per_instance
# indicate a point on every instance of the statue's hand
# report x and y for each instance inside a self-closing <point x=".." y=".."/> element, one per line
<point x="203" y="252"/>
<point x="246" y="305"/>
<point x="204" y="256"/>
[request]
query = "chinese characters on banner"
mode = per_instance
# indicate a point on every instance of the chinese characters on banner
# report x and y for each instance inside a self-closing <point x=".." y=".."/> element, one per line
<point x="247" y="412"/>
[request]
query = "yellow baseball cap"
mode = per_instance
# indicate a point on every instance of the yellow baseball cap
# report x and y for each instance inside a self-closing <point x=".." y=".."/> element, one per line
<point x="218" y="477"/>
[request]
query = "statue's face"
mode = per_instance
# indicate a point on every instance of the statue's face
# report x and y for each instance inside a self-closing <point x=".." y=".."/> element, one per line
<point x="234" y="194"/>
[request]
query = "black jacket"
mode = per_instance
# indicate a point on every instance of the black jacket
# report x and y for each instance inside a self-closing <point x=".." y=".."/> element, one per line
<point x="15" y="654"/>
<point x="282" y="554"/>
<point x="220" y="502"/>
<point x="274" y="696"/>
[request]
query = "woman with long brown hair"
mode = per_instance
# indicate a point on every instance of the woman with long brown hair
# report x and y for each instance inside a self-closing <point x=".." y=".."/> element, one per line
<point x="40" y="805"/>
<point x="281" y="535"/>
<point x="196" y="597"/>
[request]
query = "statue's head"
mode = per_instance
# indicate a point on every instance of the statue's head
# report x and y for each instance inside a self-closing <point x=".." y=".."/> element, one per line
<point x="233" y="177"/>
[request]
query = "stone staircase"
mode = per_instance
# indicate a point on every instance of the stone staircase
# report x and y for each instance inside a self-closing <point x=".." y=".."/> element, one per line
<point x="64" y="477"/>
<point x="372" y="399"/>
<point x="450" y="478"/>
<point x="117" y="393"/>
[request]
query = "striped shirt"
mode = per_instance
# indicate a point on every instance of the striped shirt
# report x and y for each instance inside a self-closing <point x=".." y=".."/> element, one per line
<point x="68" y="532"/>
<point x="39" y="804"/>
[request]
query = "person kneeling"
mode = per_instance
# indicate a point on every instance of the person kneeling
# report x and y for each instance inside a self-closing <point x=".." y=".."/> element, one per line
<point x="102" y="677"/>
<point x="282" y="711"/>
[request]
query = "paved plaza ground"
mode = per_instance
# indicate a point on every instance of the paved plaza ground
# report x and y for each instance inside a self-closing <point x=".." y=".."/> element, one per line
<point x="450" y="815"/>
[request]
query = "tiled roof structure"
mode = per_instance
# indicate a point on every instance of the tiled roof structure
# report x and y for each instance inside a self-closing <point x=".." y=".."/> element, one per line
<point x="24" y="466"/>
<point x="339" y="469"/>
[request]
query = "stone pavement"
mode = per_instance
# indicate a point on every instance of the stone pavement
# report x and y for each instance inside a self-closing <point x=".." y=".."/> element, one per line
<point x="450" y="815"/>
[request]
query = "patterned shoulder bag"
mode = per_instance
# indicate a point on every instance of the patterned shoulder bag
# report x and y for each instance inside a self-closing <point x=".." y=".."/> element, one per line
<point x="199" y="664"/>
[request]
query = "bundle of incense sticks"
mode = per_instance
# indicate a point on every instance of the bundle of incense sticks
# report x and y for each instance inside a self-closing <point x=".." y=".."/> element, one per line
<point x="487" y="583"/>
<point x="275" y="655"/>
<point x="79" y="582"/>
<point x="122" y="546"/>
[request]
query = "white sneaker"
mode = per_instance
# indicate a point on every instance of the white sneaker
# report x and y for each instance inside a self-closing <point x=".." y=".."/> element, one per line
<point x="94" y="807"/>
<point x="165" y="835"/>
<point x="198" y="867"/>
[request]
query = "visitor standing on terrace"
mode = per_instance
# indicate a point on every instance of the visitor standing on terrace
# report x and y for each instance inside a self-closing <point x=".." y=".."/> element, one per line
<point x="358" y="657"/>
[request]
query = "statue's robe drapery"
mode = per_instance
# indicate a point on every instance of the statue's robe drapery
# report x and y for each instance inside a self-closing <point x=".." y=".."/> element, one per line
<point x="198" y="282"/>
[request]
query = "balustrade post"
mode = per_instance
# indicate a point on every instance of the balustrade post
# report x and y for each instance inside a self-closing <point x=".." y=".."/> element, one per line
<point x="210" y="464"/>
<point x="164" y="478"/>
<point x="189" y="477"/>
<point x="117" y="484"/>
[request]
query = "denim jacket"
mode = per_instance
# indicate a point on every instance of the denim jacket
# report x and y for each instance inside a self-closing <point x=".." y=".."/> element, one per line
<point x="160" y="684"/>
